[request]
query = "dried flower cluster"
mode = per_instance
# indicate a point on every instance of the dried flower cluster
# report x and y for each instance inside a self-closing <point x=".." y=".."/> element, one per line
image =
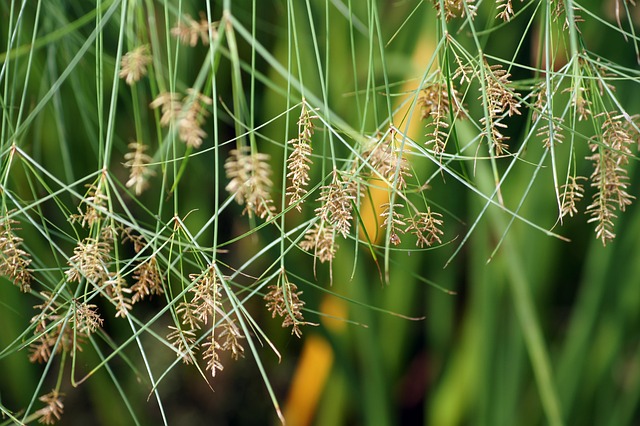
<point x="436" y="107"/>
<point x="427" y="227"/>
<point x="134" y="64"/>
<point x="146" y="275"/>
<point x="117" y="290"/>
<point x="386" y="159"/>
<point x="455" y="8"/>
<point x="336" y="204"/>
<point x="137" y="162"/>
<point x="206" y="306"/>
<point x="14" y="262"/>
<point x="573" y="191"/>
<point x="551" y="133"/>
<point x="95" y="201"/>
<point x="500" y="100"/>
<point x="147" y="280"/>
<point x="52" y="412"/>
<point x="394" y="221"/>
<point x="283" y="300"/>
<point x="90" y="260"/>
<point x="249" y="177"/>
<point x="320" y="239"/>
<point x="187" y="114"/>
<point x="189" y="31"/>
<point x="505" y="8"/>
<point x="611" y="152"/>
<point x="53" y="334"/>
<point x="299" y="159"/>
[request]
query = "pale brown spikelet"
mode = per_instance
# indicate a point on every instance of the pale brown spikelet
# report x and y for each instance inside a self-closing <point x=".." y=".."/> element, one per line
<point x="505" y="8"/>
<point x="134" y="64"/>
<point x="231" y="336"/>
<point x="94" y="201"/>
<point x="137" y="162"/>
<point x="211" y="354"/>
<point x="53" y="410"/>
<point x="336" y="204"/>
<point x="249" y="180"/>
<point x="51" y="331"/>
<point x="192" y="118"/>
<point x="188" y="114"/>
<point x="138" y="241"/>
<point x="394" y="220"/>
<point x="283" y="300"/>
<point x="86" y="318"/>
<point x="463" y="70"/>
<point x="427" y="227"/>
<point x="611" y="153"/>
<point x="455" y="8"/>
<point x="117" y="290"/>
<point x="501" y="100"/>
<point x="89" y="260"/>
<point x="573" y="191"/>
<point x="170" y="105"/>
<point x="551" y="133"/>
<point x="434" y="105"/>
<point x="189" y="31"/>
<point x="632" y="126"/>
<point x="320" y="239"/>
<point x="184" y="343"/>
<point x="147" y="280"/>
<point x="207" y="296"/>
<point x="384" y="159"/>
<point x="14" y="261"/>
<point x="299" y="159"/>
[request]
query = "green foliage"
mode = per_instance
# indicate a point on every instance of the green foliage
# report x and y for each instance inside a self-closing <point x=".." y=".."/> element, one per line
<point x="178" y="183"/>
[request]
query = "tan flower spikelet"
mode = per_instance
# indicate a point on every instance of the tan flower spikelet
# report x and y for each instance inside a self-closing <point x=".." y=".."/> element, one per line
<point x="89" y="261"/>
<point x="137" y="162"/>
<point x="134" y="64"/>
<point x="192" y="117"/>
<point x="116" y="288"/>
<point x="384" y="159"/>
<point x="147" y="280"/>
<point x="427" y="227"/>
<point x="551" y="132"/>
<point x="501" y="100"/>
<point x="611" y="153"/>
<point x="435" y="106"/>
<point x="299" y="159"/>
<point x="50" y="330"/>
<point x="95" y="200"/>
<point x="455" y="8"/>
<point x="320" y="239"/>
<point x="283" y="300"/>
<point x="184" y="342"/>
<point x="249" y="180"/>
<point x="573" y="191"/>
<point x="86" y="319"/>
<point x="506" y="10"/>
<point x="230" y="335"/>
<point x="188" y="30"/>
<point x="14" y="262"/>
<point x="52" y="412"/>
<point x="188" y="114"/>
<point x="211" y="354"/>
<point x="170" y="106"/>
<point x="336" y="204"/>
<point x="394" y="220"/>
<point x="207" y="297"/>
<point x="228" y="339"/>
